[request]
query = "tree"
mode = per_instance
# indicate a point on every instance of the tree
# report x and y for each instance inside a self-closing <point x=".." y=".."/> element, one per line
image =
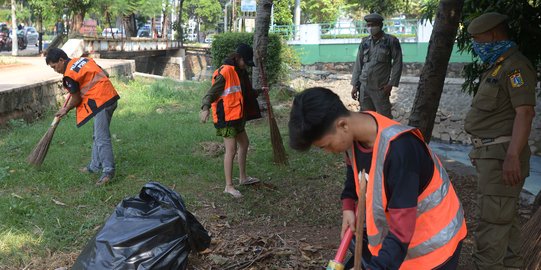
<point x="205" y="12"/>
<point x="261" y="38"/>
<point x="320" y="11"/>
<point x="282" y="12"/>
<point x="432" y="77"/>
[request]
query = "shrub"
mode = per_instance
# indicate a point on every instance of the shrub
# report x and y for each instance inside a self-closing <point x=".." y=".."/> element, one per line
<point x="276" y="65"/>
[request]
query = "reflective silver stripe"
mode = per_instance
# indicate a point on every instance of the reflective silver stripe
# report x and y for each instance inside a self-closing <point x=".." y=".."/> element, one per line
<point x="436" y="197"/>
<point x="440" y="239"/>
<point x="377" y="193"/>
<point x="93" y="82"/>
<point x="230" y="90"/>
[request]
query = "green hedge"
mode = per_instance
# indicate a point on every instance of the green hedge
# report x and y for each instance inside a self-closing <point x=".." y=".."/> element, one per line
<point x="225" y="44"/>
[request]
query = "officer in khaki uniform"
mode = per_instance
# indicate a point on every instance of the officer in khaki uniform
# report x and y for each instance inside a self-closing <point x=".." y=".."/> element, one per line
<point x="377" y="69"/>
<point x="499" y="123"/>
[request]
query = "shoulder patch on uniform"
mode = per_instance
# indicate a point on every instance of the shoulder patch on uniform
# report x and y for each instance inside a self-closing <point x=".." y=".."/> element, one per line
<point x="516" y="78"/>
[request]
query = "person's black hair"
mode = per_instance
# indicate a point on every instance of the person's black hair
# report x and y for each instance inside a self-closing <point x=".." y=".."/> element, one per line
<point x="54" y="55"/>
<point x="313" y="114"/>
<point x="232" y="59"/>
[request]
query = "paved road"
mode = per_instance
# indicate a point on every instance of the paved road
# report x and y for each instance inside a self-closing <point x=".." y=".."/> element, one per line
<point x="31" y="50"/>
<point x="32" y="70"/>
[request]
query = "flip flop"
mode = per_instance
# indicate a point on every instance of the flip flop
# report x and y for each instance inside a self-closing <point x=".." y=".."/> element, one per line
<point x="249" y="181"/>
<point x="235" y="193"/>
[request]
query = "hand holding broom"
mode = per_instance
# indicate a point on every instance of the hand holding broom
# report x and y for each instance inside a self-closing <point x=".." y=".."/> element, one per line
<point x="40" y="150"/>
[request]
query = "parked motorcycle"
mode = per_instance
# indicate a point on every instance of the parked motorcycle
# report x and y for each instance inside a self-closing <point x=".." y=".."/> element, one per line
<point x="22" y="40"/>
<point x="5" y="41"/>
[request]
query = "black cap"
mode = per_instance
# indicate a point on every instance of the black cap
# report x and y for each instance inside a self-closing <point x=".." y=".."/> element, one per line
<point x="247" y="54"/>
<point x="373" y="17"/>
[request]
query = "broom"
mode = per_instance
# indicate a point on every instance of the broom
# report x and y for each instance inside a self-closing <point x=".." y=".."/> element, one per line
<point x="278" y="151"/>
<point x="338" y="262"/>
<point x="40" y="151"/>
<point x="531" y="242"/>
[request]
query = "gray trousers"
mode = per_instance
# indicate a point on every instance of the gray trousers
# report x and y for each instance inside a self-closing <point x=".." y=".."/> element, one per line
<point x="102" y="148"/>
<point x="377" y="101"/>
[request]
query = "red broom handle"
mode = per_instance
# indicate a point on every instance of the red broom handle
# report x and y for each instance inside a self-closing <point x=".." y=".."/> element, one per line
<point x="343" y="248"/>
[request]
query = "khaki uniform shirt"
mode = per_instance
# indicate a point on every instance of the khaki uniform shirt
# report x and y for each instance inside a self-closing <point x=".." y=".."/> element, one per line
<point x="507" y="84"/>
<point x="379" y="62"/>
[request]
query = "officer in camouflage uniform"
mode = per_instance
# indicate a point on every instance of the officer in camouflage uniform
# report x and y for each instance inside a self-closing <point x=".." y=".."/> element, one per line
<point x="377" y="69"/>
<point x="499" y="122"/>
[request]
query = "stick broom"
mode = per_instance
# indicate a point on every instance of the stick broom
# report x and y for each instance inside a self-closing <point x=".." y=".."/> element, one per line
<point x="278" y="151"/>
<point x="40" y="151"/>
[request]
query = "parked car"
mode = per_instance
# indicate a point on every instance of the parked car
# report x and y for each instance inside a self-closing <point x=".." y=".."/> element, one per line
<point x="31" y="35"/>
<point x="113" y="32"/>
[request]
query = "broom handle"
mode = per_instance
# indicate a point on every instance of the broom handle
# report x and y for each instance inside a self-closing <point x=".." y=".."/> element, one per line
<point x="264" y="84"/>
<point x="360" y="222"/>
<point x="56" y="119"/>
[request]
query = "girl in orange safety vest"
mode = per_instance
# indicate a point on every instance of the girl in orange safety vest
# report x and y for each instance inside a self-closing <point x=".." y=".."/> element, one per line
<point x="414" y="219"/>
<point x="233" y="102"/>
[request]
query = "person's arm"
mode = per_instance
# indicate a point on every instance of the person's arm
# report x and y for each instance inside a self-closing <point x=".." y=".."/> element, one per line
<point x="212" y="95"/>
<point x="522" y="126"/>
<point x="521" y="87"/>
<point x="357" y="69"/>
<point x="214" y="92"/>
<point x="349" y="199"/>
<point x="403" y="167"/>
<point x="396" y="70"/>
<point x="73" y="88"/>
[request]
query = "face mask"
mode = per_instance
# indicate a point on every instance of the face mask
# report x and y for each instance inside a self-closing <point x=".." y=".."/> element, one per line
<point x="490" y="51"/>
<point x="374" y="30"/>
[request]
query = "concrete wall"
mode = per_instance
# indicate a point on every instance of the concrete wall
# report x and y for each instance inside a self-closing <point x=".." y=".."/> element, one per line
<point x="29" y="102"/>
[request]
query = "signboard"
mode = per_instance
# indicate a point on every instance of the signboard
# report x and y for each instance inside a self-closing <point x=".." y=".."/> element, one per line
<point x="248" y="5"/>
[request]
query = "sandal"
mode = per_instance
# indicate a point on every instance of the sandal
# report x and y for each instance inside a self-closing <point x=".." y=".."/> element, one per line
<point x="235" y="193"/>
<point x="104" y="179"/>
<point x="249" y="181"/>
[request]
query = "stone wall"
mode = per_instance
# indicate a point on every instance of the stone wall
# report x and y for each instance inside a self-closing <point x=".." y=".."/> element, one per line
<point x="409" y="69"/>
<point x="454" y="104"/>
<point x="30" y="101"/>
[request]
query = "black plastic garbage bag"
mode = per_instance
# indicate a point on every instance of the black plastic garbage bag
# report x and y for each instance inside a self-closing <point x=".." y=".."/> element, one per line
<point x="150" y="231"/>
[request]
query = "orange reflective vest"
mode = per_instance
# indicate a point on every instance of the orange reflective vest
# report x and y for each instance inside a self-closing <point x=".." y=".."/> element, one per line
<point x="228" y="108"/>
<point x="440" y="224"/>
<point x="96" y="89"/>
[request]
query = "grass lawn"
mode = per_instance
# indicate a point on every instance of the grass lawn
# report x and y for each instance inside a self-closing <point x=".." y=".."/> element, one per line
<point x="156" y="137"/>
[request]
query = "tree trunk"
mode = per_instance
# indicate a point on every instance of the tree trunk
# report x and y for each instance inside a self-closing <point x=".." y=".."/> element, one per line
<point x="432" y="77"/>
<point x="261" y="37"/>
<point x="77" y="23"/>
<point x="180" y="27"/>
<point x="129" y="25"/>
<point x="14" y="40"/>
<point x="165" y="20"/>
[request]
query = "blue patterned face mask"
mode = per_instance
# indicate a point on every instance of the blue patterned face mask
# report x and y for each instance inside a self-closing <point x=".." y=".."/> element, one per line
<point x="490" y="51"/>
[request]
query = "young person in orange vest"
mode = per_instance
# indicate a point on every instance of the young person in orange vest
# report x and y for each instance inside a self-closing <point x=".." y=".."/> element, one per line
<point x="414" y="219"/>
<point x="94" y="96"/>
<point x="233" y="102"/>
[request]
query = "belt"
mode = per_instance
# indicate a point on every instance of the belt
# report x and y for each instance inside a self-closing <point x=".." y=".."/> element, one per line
<point x="479" y="142"/>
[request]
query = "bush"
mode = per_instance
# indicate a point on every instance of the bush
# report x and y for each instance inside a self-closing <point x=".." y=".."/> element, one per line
<point x="275" y="64"/>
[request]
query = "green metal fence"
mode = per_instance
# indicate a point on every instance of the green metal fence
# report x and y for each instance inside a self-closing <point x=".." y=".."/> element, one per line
<point x="352" y="29"/>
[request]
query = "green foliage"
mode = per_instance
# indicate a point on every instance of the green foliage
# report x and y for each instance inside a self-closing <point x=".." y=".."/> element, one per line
<point x="283" y="12"/>
<point x="275" y="64"/>
<point x="207" y="12"/>
<point x="429" y="8"/>
<point x="383" y="7"/>
<point x="320" y="11"/>
<point x="524" y="22"/>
